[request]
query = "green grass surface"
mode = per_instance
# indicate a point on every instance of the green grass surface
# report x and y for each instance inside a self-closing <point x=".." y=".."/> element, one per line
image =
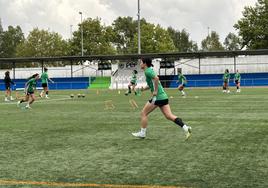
<point x="64" y="140"/>
<point x="100" y="83"/>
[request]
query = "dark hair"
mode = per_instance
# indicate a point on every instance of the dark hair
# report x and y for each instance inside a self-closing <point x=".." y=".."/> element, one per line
<point x="45" y="69"/>
<point x="147" y="61"/>
<point x="135" y="72"/>
<point x="7" y="73"/>
<point x="227" y="70"/>
<point x="33" y="76"/>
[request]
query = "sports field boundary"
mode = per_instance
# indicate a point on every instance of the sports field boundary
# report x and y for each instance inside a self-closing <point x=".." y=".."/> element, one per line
<point x="64" y="184"/>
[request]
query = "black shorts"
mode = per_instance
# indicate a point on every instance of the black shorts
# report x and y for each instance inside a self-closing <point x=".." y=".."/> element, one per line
<point x="159" y="103"/>
<point x="7" y="87"/>
<point x="30" y="92"/>
<point x="44" y="84"/>
<point x="237" y="81"/>
<point x="133" y="83"/>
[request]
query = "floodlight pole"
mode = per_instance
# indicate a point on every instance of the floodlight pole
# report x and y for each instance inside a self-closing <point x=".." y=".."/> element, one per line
<point x="82" y="37"/>
<point x="139" y="29"/>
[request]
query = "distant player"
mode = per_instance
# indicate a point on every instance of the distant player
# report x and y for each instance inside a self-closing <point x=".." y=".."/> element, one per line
<point x="237" y="79"/>
<point x="44" y="80"/>
<point x="183" y="81"/>
<point x="8" y="83"/>
<point x="30" y="86"/>
<point x="159" y="99"/>
<point x="133" y="83"/>
<point x="226" y="79"/>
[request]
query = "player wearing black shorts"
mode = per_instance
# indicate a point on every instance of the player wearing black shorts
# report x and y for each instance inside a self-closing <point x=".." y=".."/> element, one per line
<point x="8" y="83"/>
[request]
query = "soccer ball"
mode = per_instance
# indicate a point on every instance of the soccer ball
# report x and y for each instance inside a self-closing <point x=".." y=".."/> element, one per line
<point x="72" y="96"/>
<point x="83" y="95"/>
<point x="78" y="95"/>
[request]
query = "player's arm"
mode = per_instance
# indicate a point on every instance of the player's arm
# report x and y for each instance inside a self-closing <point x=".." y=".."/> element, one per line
<point x="156" y="82"/>
<point x="26" y="86"/>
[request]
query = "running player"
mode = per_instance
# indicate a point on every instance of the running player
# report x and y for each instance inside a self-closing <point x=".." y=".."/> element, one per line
<point x="159" y="99"/>
<point x="183" y="81"/>
<point x="132" y="83"/>
<point x="30" y="86"/>
<point x="226" y="79"/>
<point x="8" y="83"/>
<point x="44" y="79"/>
<point x="237" y="79"/>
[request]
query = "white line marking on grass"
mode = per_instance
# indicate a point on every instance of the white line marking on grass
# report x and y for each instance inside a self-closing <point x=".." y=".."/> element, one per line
<point x="38" y="101"/>
<point x="64" y="184"/>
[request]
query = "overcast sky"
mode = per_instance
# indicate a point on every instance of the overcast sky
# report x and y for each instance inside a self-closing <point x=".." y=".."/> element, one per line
<point x="193" y="15"/>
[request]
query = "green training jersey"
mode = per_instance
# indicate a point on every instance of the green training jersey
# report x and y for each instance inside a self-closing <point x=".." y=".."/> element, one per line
<point x="237" y="76"/>
<point x="182" y="79"/>
<point x="31" y="85"/>
<point x="134" y="78"/>
<point x="150" y="74"/>
<point x="44" y="77"/>
<point x="226" y="77"/>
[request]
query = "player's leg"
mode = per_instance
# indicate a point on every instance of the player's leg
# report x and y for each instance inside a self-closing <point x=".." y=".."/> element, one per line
<point x="31" y="100"/>
<point x="224" y="87"/>
<point x="23" y="100"/>
<point x="147" y="109"/>
<point x="6" y="94"/>
<point x="165" y="109"/>
<point x="134" y="88"/>
<point x="46" y="91"/>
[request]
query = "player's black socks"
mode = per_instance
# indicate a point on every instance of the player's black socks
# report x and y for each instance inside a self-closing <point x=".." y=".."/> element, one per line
<point x="129" y="89"/>
<point x="237" y="87"/>
<point x="179" y="122"/>
<point x="47" y="92"/>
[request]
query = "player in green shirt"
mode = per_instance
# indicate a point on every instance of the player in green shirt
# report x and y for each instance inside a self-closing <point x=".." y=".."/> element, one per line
<point x="30" y="86"/>
<point x="237" y="79"/>
<point x="159" y="99"/>
<point x="132" y="83"/>
<point x="44" y="80"/>
<point x="226" y="79"/>
<point x="183" y="81"/>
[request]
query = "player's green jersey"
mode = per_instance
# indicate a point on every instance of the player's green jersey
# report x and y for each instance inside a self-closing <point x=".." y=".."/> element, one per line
<point x="226" y="77"/>
<point x="44" y="77"/>
<point x="182" y="79"/>
<point x="237" y="76"/>
<point x="150" y="74"/>
<point x="134" y="79"/>
<point x="31" y="85"/>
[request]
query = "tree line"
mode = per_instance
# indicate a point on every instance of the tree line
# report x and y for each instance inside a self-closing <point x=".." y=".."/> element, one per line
<point x="121" y="37"/>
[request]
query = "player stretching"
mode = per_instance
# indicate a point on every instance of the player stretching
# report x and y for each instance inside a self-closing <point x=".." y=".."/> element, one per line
<point x="29" y="90"/>
<point x="226" y="79"/>
<point x="159" y="99"/>
<point x="8" y="82"/>
<point x="183" y="81"/>
<point x="44" y="79"/>
<point x="237" y="79"/>
<point x="132" y="83"/>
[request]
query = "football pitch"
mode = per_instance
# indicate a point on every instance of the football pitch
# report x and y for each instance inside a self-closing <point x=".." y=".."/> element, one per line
<point x="64" y="142"/>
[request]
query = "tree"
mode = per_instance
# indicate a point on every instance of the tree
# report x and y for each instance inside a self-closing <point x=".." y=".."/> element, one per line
<point x="1" y="39"/>
<point x="212" y="42"/>
<point x="42" y="43"/>
<point x="154" y="39"/>
<point x="232" y="42"/>
<point x="253" y="27"/>
<point x="182" y="40"/>
<point x="10" y="40"/>
<point x="125" y="29"/>
<point x="97" y="39"/>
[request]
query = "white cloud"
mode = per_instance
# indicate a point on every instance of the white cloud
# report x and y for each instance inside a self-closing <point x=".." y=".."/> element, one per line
<point x="193" y="15"/>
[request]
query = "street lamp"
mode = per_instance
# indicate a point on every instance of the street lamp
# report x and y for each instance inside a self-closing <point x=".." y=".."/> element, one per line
<point x="139" y="29"/>
<point x="82" y="37"/>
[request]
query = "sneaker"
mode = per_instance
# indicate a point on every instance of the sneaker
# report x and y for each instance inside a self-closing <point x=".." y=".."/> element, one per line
<point x="11" y="98"/>
<point x="228" y="91"/>
<point x="6" y="100"/>
<point x="18" y="104"/>
<point x="47" y="97"/>
<point x="28" y="107"/>
<point x="139" y="134"/>
<point x="40" y="96"/>
<point x="188" y="133"/>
